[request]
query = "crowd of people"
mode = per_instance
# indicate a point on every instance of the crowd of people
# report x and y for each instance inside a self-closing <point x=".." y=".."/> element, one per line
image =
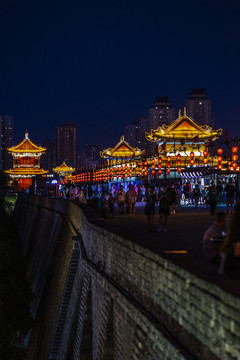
<point x="218" y="245"/>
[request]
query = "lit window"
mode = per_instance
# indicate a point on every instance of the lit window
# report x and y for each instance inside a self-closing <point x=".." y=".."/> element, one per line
<point x="200" y="103"/>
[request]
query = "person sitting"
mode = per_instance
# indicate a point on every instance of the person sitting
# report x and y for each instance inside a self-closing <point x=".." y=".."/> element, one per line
<point x="214" y="237"/>
<point x="230" y="249"/>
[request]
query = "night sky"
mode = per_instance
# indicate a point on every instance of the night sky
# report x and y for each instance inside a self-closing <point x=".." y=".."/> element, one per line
<point x="101" y="63"/>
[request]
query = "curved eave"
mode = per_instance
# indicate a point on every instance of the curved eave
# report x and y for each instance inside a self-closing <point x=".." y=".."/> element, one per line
<point x="13" y="151"/>
<point x="26" y="172"/>
<point x="20" y="147"/>
<point x="119" y="155"/>
<point x="189" y="137"/>
<point x="63" y="170"/>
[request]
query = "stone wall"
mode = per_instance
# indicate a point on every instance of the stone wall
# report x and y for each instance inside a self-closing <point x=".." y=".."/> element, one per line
<point x="124" y="302"/>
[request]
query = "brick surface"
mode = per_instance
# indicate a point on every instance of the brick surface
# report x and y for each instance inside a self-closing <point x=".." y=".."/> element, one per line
<point x="158" y="308"/>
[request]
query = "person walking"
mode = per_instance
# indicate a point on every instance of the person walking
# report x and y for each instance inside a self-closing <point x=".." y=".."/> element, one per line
<point x="219" y="189"/>
<point x="173" y="200"/>
<point x="196" y="195"/>
<point x="151" y="199"/>
<point x="132" y="198"/>
<point x="110" y="204"/>
<point x="164" y="207"/>
<point x="121" y="199"/>
<point x="212" y="198"/>
<point x="230" y="192"/>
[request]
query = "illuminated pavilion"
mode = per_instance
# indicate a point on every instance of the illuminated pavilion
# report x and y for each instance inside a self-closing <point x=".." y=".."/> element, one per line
<point x="122" y="151"/>
<point x="64" y="170"/>
<point x="121" y="162"/>
<point x="184" y="143"/>
<point x="26" y="162"/>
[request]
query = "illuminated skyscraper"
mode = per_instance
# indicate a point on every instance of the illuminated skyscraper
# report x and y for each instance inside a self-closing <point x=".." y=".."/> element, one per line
<point x="161" y="112"/>
<point x="67" y="144"/>
<point x="6" y="141"/>
<point x="199" y="107"/>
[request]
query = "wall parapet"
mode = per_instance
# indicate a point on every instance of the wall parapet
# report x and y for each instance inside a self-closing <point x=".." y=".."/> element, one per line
<point x="146" y="296"/>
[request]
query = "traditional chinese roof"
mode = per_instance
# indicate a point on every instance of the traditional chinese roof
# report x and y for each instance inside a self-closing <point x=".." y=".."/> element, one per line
<point x="184" y="128"/>
<point x="25" y="172"/>
<point x="63" y="168"/>
<point x="26" y="146"/>
<point x="122" y="149"/>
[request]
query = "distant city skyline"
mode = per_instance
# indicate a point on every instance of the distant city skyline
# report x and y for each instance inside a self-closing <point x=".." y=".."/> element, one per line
<point x="101" y="64"/>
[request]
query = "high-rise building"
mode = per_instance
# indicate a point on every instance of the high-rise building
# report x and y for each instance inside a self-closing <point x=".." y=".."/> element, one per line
<point x="199" y="107"/>
<point x="134" y="133"/>
<point x="48" y="160"/>
<point x="67" y="144"/>
<point x="161" y="112"/>
<point x="6" y="141"/>
<point x="92" y="156"/>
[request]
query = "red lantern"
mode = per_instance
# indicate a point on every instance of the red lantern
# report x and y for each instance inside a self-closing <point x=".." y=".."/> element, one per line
<point x="192" y="154"/>
<point x="234" y="165"/>
<point x="234" y="149"/>
<point x="153" y="167"/>
<point x="219" y="151"/>
<point x="140" y="164"/>
<point x="178" y="162"/>
<point x="219" y="159"/>
<point x="145" y="168"/>
<point x="219" y="166"/>
<point x="168" y="171"/>
<point x="153" y="161"/>
<point x="145" y="163"/>
<point x="205" y="153"/>
<point x="145" y="173"/>
<point x="192" y="161"/>
<point x="179" y="170"/>
<point x="159" y="160"/>
<point x="178" y="157"/>
<point x="169" y="158"/>
<point x="140" y="174"/>
<point x="122" y="176"/>
<point x="153" y="172"/>
<point x="234" y="157"/>
<point x="159" y="172"/>
<point x="168" y="164"/>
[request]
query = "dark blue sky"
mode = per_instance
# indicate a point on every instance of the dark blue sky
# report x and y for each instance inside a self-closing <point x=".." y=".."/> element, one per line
<point x="101" y="63"/>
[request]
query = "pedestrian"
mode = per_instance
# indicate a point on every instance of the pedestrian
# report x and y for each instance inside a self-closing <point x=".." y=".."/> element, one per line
<point x="71" y="192"/>
<point x="212" y="199"/>
<point x="173" y="200"/>
<point x="164" y="207"/>
<point x="219" y="189"/>
<point x="75" y="193"/>
<point x="230" y="192"/>
<point x="230" y="249"/>
<point x="214" y="237"/>
<point x="143" y="192"/>
<point x="150" y="206"/>
<point x="110" y="205"/>
<point x="81" y="197"/>
<point x="196" y="195"/>
<point x="132" y="198"/>
<point x="121" y="199"/>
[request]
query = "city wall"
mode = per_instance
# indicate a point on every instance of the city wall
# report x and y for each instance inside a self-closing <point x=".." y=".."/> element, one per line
<point x="99" y="296"/>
